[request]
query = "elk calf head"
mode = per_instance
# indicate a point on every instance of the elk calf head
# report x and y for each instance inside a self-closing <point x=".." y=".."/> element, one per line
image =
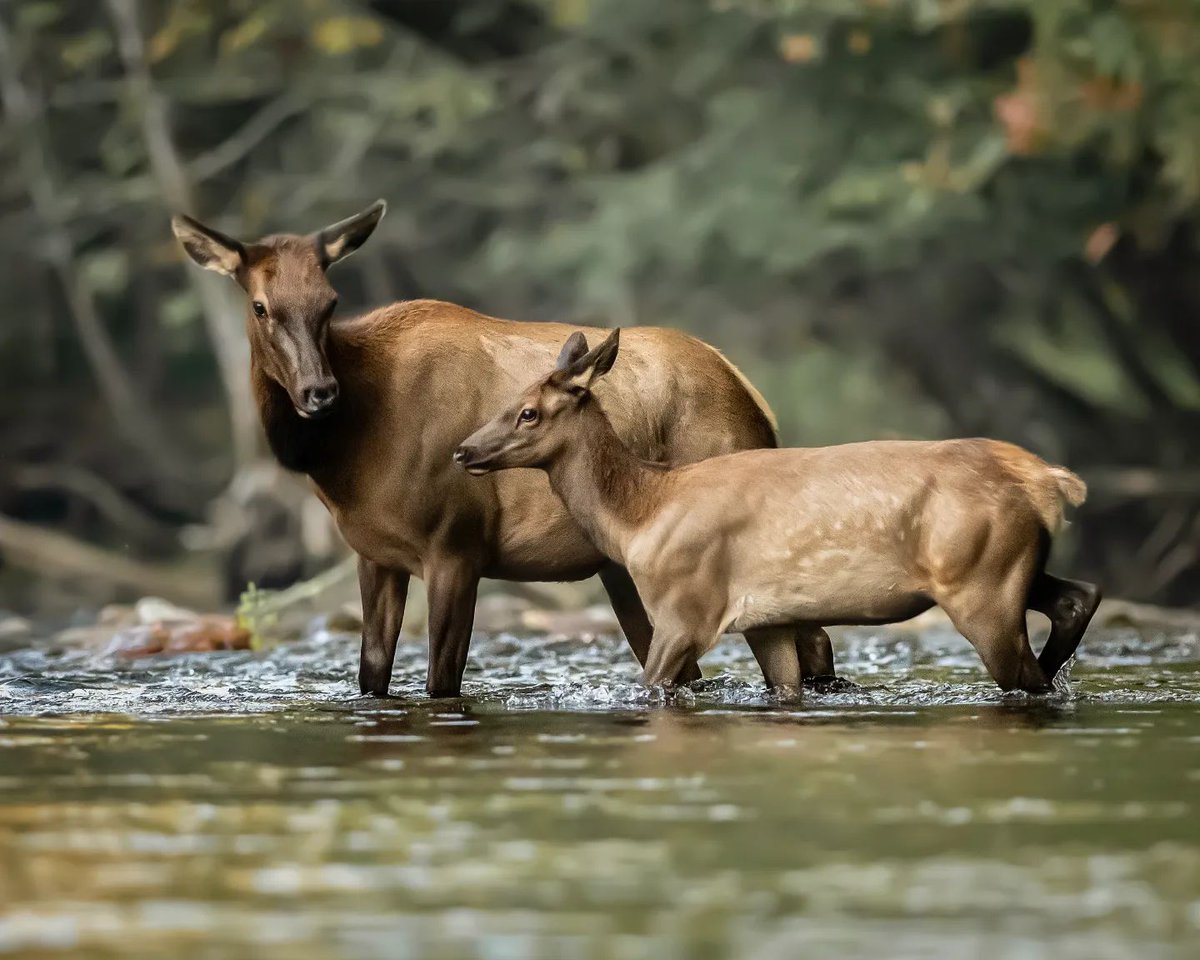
<point x="534" y="430"/>
<point x="289" y="301"/>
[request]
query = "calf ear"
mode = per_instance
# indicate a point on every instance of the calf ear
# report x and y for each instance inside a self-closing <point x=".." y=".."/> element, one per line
<point x="343" y="238"/>
<point x="208" y="247"/>
<point x="593" y="365"/>
<point x="575" y="347"/>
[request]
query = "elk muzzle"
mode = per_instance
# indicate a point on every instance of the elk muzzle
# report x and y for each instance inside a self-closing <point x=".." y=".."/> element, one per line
<point x="317" y="398"/>
<point x="473" y="460"/>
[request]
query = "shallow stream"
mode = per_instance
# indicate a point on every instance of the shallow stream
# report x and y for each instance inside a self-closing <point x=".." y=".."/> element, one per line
<point x="252" y="805"/>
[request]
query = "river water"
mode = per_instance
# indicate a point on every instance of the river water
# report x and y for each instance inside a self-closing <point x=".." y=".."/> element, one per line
<point x="251" y="805"/>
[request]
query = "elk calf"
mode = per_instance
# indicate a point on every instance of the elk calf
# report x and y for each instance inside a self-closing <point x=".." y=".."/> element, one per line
<point x="762" y="540"/>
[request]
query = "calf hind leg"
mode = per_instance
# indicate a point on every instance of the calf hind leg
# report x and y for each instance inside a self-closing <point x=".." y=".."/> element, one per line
<point x="776" y="650"/>
<point x="815" y="651"/>
<point x="1070" y="605"/>
<point x="994" y="622"/>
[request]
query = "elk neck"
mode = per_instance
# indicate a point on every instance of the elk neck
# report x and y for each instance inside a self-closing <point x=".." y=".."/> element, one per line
<point x="607" y="489"/>
<point x="320" y="447"/>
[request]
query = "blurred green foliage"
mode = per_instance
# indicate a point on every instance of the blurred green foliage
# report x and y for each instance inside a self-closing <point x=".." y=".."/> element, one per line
<point x="902" y="216"/>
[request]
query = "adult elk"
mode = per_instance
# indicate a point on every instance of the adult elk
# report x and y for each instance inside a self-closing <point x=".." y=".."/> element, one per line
<point x="371" y="408"/>
<point x="863" y="533"/>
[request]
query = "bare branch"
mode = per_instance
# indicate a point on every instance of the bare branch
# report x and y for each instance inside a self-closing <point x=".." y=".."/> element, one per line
<point x="1124" y="347"/>
<point x="1137" y="483"/>
<point x="125" y="515"/>
<point x="252" y="133"/>
<point x="224" y="327"/>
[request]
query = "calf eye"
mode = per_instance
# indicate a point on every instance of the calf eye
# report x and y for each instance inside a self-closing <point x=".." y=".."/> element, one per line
<point x="528" y="415"/>
<point x="259" y="309"/>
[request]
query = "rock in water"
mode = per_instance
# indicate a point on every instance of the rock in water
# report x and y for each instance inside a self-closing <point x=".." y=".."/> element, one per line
<point x="200" y="634"/>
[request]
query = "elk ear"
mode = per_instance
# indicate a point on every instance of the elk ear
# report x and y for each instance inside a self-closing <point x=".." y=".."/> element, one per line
<point x="589" y="368"/>
<point x="343" y="238"/>
<point x="208" y="247"/>
<point x="575" y="347"/>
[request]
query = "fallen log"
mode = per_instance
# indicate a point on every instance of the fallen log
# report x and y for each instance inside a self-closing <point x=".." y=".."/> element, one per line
<point x="52" y="554"/>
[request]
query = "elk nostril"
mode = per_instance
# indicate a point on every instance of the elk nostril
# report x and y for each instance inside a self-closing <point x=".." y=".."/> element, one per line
<point x="460" y="455"/>
<point x="319" y="397"/>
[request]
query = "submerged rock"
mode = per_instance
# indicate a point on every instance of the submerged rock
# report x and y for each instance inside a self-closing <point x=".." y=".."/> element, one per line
<point x="1145" y="616"/>
<point x="14" y="631"/>
<point x="591" y="621"/>
<point x="155" y="609"/>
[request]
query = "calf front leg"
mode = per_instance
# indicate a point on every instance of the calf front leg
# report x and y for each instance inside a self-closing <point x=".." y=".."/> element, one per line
<point x="451" y="585"/>
<point x="384" y="593"/>
<point x="631" y="614"/>
<point x="679" y="638"/>
<point x="668" y="653"/>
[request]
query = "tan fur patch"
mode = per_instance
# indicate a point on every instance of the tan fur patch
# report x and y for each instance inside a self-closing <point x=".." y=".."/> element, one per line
<point x="1046" y="486"/>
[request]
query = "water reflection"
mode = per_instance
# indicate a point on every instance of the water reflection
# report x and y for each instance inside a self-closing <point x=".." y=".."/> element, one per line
<point x="251" y="805"/>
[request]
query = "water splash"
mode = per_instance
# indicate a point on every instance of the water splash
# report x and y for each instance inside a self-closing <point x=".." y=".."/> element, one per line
<point x="889" y="669"/>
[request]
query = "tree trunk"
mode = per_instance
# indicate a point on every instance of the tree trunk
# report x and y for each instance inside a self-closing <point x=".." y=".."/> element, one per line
<point x="130" y="410"/>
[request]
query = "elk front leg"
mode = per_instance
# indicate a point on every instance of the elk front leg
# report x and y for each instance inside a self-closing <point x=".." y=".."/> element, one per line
<point x="631" y="614"/>
<point x="452" y="586"/>
<point x="384" y="593"/>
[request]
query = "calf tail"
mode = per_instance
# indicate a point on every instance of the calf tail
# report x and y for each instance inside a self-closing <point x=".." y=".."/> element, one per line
<point x="1048" y="492"/>
<point x="1047" y="486"/>
<point x="1070" y="486"/>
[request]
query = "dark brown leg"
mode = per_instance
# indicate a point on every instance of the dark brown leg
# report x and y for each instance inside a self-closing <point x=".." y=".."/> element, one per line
<point x="631" y="614"/>
<point x="452" y="586"/>
<point x="815" y="651"/>
<point x="384" y="593"/>
<point x="1069" y="604"/>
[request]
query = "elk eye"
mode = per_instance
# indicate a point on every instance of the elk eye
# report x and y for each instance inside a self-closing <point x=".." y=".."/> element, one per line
<point x="528" y="415"/>
<point x="259" y="309"/>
